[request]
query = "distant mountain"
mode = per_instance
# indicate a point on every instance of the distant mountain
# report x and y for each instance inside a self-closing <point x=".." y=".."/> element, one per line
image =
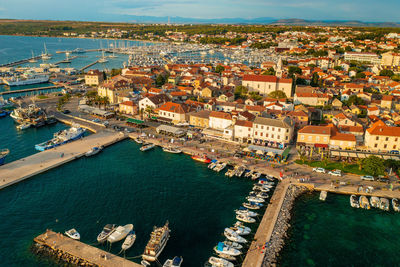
<point x="351" y="23"/>
<point x="182" y="20"/>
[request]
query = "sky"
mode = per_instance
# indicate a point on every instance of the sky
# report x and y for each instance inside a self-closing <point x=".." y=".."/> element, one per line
<point x="125" y="10"/>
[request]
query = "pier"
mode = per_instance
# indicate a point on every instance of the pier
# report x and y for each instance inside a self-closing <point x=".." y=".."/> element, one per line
<point x="25" y="168"/>
<point x="30" y="90"/>
<point x="66" y="60"/>
<point x="74" y="251"/>
<point x="22" y="61"/>
<point x="89" y="65"/>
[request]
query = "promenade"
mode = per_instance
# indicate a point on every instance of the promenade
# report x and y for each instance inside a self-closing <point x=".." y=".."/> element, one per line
<point x="22" y="169"/>
<point x="75" y="251"/>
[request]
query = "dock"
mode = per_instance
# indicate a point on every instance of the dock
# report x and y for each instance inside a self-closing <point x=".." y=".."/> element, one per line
<point x="22" y="61"/>
<point x="76" y="251"/>
<point x="31" y="90"/>
<point x="89" y="65"/>
<point x="66" y="60"/>
<point x="19" y="170"/>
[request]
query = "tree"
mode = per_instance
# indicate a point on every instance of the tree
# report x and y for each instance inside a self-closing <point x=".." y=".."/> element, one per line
<point x="359" y="163"/>
<point x="219" y="69"/>
<point x="388" y="73"/>
<point x="301" y="81"/>
<point x="277" y="94"/>
<point x="374" y="165"/>
<point x="240" y="91"/>
<point x="294" y="69"/>
<point x="115" y="72"/>
<point x="255" y="95"/>
<point x="149" y="111"/>
<point x="360" y="75"/>
<point x="348" y="49"/>
<point x="314" y="80"/>
<point x="353" y="99"/>
<point x="339" y="68"/>
<point x="160" y="80"/>
<point x="270" y="71"/>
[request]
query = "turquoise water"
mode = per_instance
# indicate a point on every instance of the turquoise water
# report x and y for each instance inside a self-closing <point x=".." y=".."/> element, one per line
<point x="22" y="143"/>
<point x="122" y="185"/>
<point x="332" y="233"/>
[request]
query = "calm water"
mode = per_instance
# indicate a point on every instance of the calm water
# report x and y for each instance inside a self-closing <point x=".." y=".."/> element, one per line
<point x="332" y="233"/>
<point x="122" y="185"/>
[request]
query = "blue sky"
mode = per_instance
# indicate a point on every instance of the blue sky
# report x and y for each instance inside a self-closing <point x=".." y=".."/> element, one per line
<point x="119" y="10"/>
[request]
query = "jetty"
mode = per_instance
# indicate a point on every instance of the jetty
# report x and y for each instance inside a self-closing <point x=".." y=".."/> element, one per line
<point x="18" y="62"/>
<point x="89" y="65"/>
<point x="77" y="253"/>
<point x="31" y="90"/>
<point x="66" y="60"/>
<point x="25" y="168"/>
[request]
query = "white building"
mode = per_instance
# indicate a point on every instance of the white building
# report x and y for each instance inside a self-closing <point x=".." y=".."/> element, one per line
<point x="362" y="57"/>
<point x="220" y="120"/>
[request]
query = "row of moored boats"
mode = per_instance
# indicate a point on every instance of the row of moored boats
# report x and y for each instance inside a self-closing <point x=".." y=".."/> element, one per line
<point x="375" y="202"/>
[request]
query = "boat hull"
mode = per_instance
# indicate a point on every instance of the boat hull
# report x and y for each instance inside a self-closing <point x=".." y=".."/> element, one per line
<point x="42" y="147"/>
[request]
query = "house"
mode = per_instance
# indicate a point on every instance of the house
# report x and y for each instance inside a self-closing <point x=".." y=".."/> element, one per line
<point x="112" y="89"/>
<point x="243" y="131"/>
<point x="226" y="97"/>
<point x="311" y="99"/>
<point x="172" y="112"/>
<point x="299" y="117"/>
<point x="387" y="101"/>
<point x="265" y="84"/>
<point x="336" y="104"/>
<point x="153" y="102"/>
<point x="342" y="141"/>
<point x="273" y="131"/>
<point x="314" y="136"/>
<point x="94" y="77"/>
<point x="200" y="119"/>
<point x="219" y="120"/>
<point x="380" y="137"/>
<point x="128" y="107"/>
<point x="373" y="111"/>
<point x="209" y="92"/>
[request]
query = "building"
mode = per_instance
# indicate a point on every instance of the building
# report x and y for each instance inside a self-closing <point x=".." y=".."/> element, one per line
<point x="272" y="131"/>
<point x="94" y="77"/>
<point x="390" y="59"/>
<point x="314" y="136"/>
<point x="380" y="137"/>
<point x="173" y="112"/>
<point x="153" y="101"/>
<point x="243" y="131"/>
<point x="220" y="120"/>
<point x="265" y="84"/>
<point x="128" y="107"/>
<point x="371" y="58"/>
<point x="112" y="89"/>
<point x="200" y="119"/>
<point x="311" y="99"/>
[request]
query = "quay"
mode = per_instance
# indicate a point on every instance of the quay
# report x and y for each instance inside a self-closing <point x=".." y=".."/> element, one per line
<point x="31" y="90"/>
<point x="22" y="61"/>
<point x="66" y="60"/>
<point x="75" y="251"/>
<point x="25" y="168"/>
<point x="89" y="65"/>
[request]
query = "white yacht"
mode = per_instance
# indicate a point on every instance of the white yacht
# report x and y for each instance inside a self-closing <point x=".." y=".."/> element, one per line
<point x="172" y="150"/>
<point x="246" y="212"/>
<point x="384" y="204"/>
<point x="233" y="244"/>
<point x="374" y="202"/>
<point x="108" y="229"/>
<point x="233" y="236"/>
<point x="323" y="195"/>
<point x="129" y="240"/>
<point x="146" y="147"/>
<point x="120" y="233"/>
<point x="175" y="262"/>
<point x="255" y="199"/>
<point x="94" y="151"/>
<point x="245" y="218"/>
<point x="218" y="262"/>
<point x="158" y="240"/>
<point x="72" y="233"/>
<point x="241" y="230"/>
<point x="395" y="204"/>
<point x="224" y="249"/>
<point x="354" y="203"/>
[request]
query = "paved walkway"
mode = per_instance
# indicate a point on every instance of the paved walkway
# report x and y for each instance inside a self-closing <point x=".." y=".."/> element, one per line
<point x="81" y="250"/>
<point x="19" y="170"/>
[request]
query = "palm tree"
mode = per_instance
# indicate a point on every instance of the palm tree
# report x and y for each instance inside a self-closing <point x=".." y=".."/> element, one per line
<point x="360" y="163"/>
<point x="325" y="161"/>
<point x="149" y="111"/>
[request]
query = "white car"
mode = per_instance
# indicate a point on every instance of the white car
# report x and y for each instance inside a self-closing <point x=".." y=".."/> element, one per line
<point x="335" y="173"/>
<point x="367" y="178"/>
<point x="320" y="170"/>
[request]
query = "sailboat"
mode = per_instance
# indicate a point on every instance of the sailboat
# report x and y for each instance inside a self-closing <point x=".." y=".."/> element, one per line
<point x="45" y="55"/>
<point x="103" y="59"/>
<point x="32" y="60"/>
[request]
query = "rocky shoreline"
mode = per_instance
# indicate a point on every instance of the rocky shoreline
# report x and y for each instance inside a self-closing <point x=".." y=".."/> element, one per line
<point x="282" y="225"/>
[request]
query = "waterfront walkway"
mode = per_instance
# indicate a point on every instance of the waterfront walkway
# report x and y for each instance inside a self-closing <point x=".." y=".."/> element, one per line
<point x="22" y="169"/>
<point x="58" y="242"/>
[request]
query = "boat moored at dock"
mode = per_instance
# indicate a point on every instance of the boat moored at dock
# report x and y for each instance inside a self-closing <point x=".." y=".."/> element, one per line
<point x="147" y="146"/>
<point x="172" y="150"/>
<point x="233" y="236"/>
<point x="175" y="262"/>
<point x="129" y="240"/>
<point x="3" y="155"/>
<point x="203" y="159"/>
<point x="384" y="204"/>
<point x="374" y="201"/>
<point x="354" y="203"/>
<point x="395" y="204"/>
<point x="120" y="233"/>
<point x="72" y="233"/>
<point x="225" y="249"/>
<point x="364" y="203"/>
<point x="106" y="232"/>
<point x="158" y="240"/>
<point x="218" y="262"/>
<point x="94" y="151"/>
<point x="323" y="195"/>
<point x="62" y="137"/>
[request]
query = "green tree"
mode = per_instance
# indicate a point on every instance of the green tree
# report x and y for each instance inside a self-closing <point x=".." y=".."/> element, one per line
<point x="314" y="80"/>
<point x="241" y="91"/>
<point x="388" y="73"/>
<point x="277" y="94"/>
<point x="269" y="71"/>
<point x="219" y="69"/>
<point x="160" y="80"/>
<point x="374" y="165"/>
<point x="115" y="72"/>
<point x="339" y="68"/>
<point x="255" y="96"/>
<point x="348" y="49"/>
<point x="360" y="75"/>
<point x="294" y="70"/>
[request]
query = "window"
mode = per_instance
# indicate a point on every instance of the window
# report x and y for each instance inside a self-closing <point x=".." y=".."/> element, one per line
<point x="387" y="139"/>
<point x="273" y="129"/>
<point x="287" y="137"/>
<point x="279" y="137"/>
<point x="377" y="138"/>
<point x="302" y="137"/>
<point x="287" y="130"/>
<point x="325" y="139"/>
<point x="376" y="145"/>
<point x="317" y="138"/>
<point x="266" y="135"/>
<point x="272" y="136"/>
<point x="279" y="129"/>
<point x="394" y="147"/>
<point x="255" y="133"/>
<point x="262" y="127"/>
<point x="395" y="139"/>
<point x="261" y="134"/>
<point x="268" y="128"/>
<point x="385" y="146"/>
<point x="309" y="138"/>
<point x="256" y="126"/>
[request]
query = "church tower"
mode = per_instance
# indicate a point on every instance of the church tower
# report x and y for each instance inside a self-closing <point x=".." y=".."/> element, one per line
<point x="278" y="70"/>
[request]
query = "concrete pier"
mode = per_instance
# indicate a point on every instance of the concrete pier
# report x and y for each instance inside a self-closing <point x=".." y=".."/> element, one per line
<point x="25" y="168"/>
<point x="75" y="250"/>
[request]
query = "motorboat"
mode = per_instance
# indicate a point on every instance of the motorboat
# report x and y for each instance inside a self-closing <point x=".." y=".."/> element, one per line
<point x="172" y="150"/>
<point x="72" y="233"/>
<point x="384" y="204"/>
<point x="129" y="240"/>
<point x="233" y="236"/>
<point x="245" y="218"/>
<point x="203" y="159"/>
<point x="222" y="248"/>
<point x="323" y="195"/>
<point x="147" y="146"/>
<point x="218" y="262"/>
<point x="233" y="244"/>
<point x="249" y="174"/>
<point x="138" y="140"/>
<point x="252" y="205"/>
<point x="396" y="204"/>
<point x="94" y="151"/>
<point x="227" y="257"/>
<point x="374" y="202"/>
<point x="108" y="229"/>
<point x="212" y="165"/>
<point x="120" y="233"/>
<point x="241" y="230"/>
<point x="175" y="262"/>
<point x="62" y="137"/>
<point x="364" y="203"/>
<point x="255" y="199"/>
<point x="354" y="203"/>
<point x="261" y="188"/>
<point x="158" y="240"/>
<point x="220" y="167"/>
<point x="3" y="154"/>
<point x="246" y="212"/>
<point x="260" y="194"/>
<point x="24" y="125"/>
<point x="255" y="176"/>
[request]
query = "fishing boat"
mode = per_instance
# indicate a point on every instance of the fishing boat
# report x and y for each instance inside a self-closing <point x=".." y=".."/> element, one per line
<point x="23" y="126"/>
<point x="218" y="262"/>
<point x="364" y="203"/>
<point x="147" y="146"/>
<point x="395" y="204"/>
<point x="203" y="158"/>
<point x="245" y="218"/>
<point x="4" y="113"/>
<point x="94" y="151"/>
<point x="233" y="244"/>
<point x="323" y="195"/>
<point x="62" y="137"/>
<point x="129" y="240"/>
<point x="241" y="230"/>
<point x="108" y="229"/>
<point x="246" y="212"/>
<point x="374" y="201"/>
<point x="175" y="262"/>
<point x="233" y="236"/>
<point x="172" y="150"/>
<point x="252" y="205"/>
<point x="354" y="203"/>
<point x="255" y="199"/>
<point x="72" y="233"/>
<point x="120" y="233"/>
<point x="138" y="140"/>
<point x="384" y="204"/>
<point x="3" y="155"/>
<point x="158" y="240"/>
<point x="249" y="173"/>
<point x="222" y="248"/>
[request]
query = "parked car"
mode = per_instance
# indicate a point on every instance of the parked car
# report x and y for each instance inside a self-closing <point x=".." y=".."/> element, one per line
<point x="320" y="170"/>
<point x="106" y="123"/>
<point x="335" y="173"/>
<point x="367" y="178"/>
<point x="96" y="120"/>
<point x="394" y="152"/>
<point x="382" y="178"/>
<point x="66" y="111"/>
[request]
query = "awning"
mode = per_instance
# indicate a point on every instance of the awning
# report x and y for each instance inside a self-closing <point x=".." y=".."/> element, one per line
<point x="135" y="121"/>
<point x="321" y="145"/>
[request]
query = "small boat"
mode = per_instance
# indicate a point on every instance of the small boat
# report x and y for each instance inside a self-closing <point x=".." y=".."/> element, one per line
<point x="222" y="248"/>
<point x="364" y="203"/>
<point x="218" y="262"/>
<point x="107" y="231"/>
<point x="220" y="167"/>
<point x="245" y="218"/>
<point x="203" y="159"/>
<point x="354" y="203"/>
<point x="172" y="150"/>
<point x="129" y="240"/>
<point x="261" y="188"/>
<point x="175" y="262"/>
<point x="374" y="202"/>
<point x="227" y="257"/>
<point x="4" y="113"/>
<point x="246" y="212"/>
<point x="120" y="233"/>
<point x="93" y="151"/>
<point x="145" y="263"/>
<point x="241" y="230"/>
<point x="255" y="199"/>
<point x="138" y="140"/>
<point x="233" y="236"/>
<point x="212" y="165"/>
<point x="24" y="126"/>
<point x="323" y="195"/>
<point x="252" y="205"/>
<point x="3" y="155"/>
<point x="395" y="204"/>
<point x="146" y="147"/>
<point x="233" y="244"/>
<point x="384" y="204"/>
<point x="258" y="193"/>
<point x="255" y="176"/>
<point x="72" y="233"/>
